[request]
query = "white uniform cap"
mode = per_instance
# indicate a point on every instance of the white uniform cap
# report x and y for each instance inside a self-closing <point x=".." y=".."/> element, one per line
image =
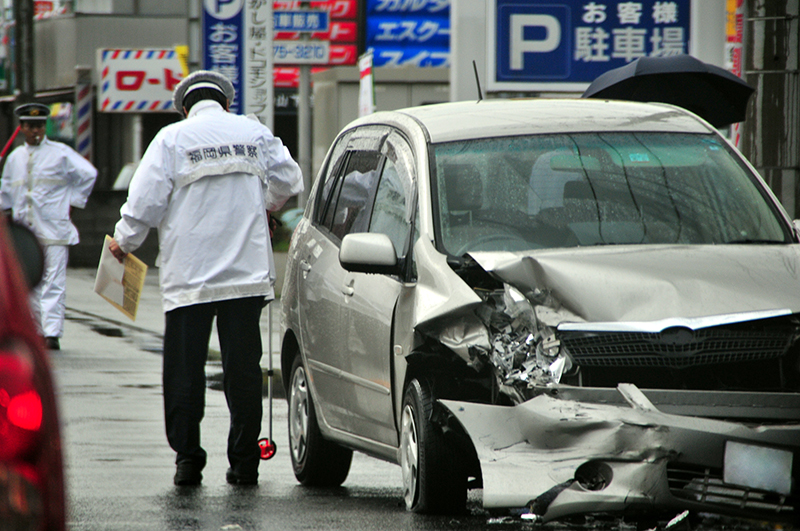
<point x="202" y="79"/>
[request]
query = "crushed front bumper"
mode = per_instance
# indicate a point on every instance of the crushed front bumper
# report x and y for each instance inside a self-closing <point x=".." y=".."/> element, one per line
<point x="572" y="450"/>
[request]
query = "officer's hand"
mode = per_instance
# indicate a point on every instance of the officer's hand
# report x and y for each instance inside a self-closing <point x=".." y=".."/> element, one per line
<point x="113" y="246"/>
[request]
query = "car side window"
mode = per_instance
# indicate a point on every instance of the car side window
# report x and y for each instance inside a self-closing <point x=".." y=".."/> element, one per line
<point x="357" y="193"/>
<point x="393" y="211"/>
<point x="324" y="194"/>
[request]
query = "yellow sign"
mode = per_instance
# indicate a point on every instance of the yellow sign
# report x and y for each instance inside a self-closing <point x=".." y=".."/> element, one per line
<point x="731" y="8"/>
<point x="183" y="57"/>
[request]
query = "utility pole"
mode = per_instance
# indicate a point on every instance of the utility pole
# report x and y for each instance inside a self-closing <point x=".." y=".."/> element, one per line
<point x="771" y="132"/>
<point x="25" y="88"/>
<point x="304" y="123"/>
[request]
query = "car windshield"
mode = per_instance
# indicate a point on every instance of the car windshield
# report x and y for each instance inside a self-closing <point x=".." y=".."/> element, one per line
<point x="544" y="191"/>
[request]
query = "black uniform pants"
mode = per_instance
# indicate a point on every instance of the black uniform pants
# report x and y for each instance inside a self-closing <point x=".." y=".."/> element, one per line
<point x="186" y="335"/>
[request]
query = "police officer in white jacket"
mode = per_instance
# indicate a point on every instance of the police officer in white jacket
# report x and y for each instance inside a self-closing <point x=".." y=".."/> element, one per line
<point x="206" y="183"/>
<point x="42" y="181"/>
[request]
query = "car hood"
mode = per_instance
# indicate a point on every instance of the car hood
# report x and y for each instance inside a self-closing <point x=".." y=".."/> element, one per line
<point x="675" y="285"/>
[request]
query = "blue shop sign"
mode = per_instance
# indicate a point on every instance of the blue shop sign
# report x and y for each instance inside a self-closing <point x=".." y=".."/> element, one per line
<point x="425" y="32"/>
<point x="422" y="57"/>
<point x="408" y="32"/>
<point x="303" y="20"/>
<point x="439" y="8"/>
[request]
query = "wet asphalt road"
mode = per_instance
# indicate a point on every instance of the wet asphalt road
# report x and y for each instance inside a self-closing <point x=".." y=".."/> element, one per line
<point x="119" y="466"/>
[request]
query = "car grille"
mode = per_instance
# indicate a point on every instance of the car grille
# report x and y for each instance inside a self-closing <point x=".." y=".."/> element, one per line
<point x="705" y="486"/>
<point x="678" y="348"/>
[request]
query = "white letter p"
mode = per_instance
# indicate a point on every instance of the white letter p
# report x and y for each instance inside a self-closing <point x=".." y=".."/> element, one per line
<point x="518" y="45"/>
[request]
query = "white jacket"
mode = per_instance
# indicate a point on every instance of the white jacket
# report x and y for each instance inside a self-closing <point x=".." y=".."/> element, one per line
<point x="41" y="183"/>
<point x="207" y="183"/>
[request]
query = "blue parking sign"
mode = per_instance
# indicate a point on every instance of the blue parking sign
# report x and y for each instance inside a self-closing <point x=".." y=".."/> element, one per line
<point x="537" y="45"/>
<point x="533" y="39"/>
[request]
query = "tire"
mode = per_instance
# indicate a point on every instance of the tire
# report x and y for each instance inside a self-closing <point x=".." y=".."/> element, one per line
<point x="434" y="480"/>
<point x="316" y="462"/>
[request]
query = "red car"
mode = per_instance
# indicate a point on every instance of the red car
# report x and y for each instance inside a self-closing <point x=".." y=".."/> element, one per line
<point x="31" y="467"/>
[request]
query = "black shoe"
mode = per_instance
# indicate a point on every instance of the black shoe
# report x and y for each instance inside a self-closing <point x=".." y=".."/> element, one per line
<point x="52" y="343"/>
<point x="236" y="479"/>
<point x="187" y="474"/>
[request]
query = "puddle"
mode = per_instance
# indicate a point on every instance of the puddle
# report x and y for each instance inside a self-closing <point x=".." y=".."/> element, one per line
<point x="108" y="331"/>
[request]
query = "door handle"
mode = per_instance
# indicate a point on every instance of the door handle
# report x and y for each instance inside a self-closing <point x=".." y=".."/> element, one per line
<point x="348" y="288"/>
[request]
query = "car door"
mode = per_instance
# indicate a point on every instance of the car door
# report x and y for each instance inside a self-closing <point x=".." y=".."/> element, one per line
<point x="340" y="207"/>
<point x="319" y="278"/>
<point x="371" y="298"/>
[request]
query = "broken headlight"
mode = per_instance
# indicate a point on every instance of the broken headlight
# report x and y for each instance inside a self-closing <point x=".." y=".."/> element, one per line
<point x="523" y="350"/>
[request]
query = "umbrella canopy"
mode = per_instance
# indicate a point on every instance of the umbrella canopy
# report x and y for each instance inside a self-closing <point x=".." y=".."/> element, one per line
<point x="709" y="91"/>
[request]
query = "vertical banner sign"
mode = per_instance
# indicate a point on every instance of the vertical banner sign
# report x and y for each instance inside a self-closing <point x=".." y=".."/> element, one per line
<point x="223" y="44"/>
<point x="237" y="37"/>
<point x="566" y="44"/>
<point x="83" y="120"/>
<point x="258" y="89"/>
<point x="366" y="87"/>
<point x="734" y="33"/>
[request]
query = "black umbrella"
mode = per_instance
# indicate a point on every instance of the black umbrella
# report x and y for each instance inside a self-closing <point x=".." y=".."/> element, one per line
<point x="707" y="90"/>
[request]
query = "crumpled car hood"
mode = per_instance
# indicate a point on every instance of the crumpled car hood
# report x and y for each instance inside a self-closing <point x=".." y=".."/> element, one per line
<point x="651" y="283"/>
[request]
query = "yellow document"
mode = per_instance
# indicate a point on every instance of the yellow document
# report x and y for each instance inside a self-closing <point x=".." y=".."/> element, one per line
<point x="120" y="284"/>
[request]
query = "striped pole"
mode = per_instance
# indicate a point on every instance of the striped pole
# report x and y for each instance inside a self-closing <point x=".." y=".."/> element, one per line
<point x="83" y="119"/>
<point x="10" y="141"/>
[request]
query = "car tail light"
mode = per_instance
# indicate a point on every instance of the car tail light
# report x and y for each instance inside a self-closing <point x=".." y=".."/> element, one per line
<point x="24" y="460"/>
<point x="32" y="494"/>
<point x="20" y="403"/>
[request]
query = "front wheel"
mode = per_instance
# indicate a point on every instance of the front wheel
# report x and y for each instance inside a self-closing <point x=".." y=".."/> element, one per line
<point x="316" y="462"/>
<point x="434" y="481"/>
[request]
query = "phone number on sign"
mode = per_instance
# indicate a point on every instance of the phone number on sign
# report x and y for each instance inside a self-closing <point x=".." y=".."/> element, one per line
<point x="294" y="52"/>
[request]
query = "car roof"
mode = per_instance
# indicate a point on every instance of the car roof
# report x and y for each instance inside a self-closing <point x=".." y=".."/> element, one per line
<point x="445" y="122"/>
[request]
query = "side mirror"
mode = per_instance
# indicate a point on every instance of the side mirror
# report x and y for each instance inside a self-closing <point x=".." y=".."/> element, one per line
<point x="367" y="252"/>
<point x="30" y="254"/>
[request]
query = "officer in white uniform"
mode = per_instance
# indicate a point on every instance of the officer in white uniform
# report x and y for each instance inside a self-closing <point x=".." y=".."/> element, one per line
<point x="206" y="183"/>
<point x="42" y="181"/>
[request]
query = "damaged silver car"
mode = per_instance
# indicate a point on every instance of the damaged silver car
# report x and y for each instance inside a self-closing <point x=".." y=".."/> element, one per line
<point x="576" y="306"/>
